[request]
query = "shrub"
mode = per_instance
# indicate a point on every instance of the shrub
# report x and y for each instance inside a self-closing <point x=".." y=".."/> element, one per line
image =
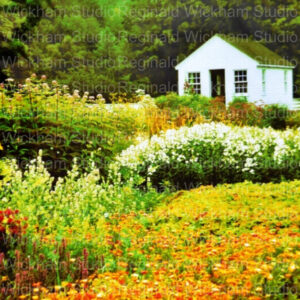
<point x="293" y="120"/>
<point x="239" y="100"/>
<point x="241" y="112"/>
<point x="211" y="154"/>
<point x="195" y="102"/>
<point x="275" y="115"/>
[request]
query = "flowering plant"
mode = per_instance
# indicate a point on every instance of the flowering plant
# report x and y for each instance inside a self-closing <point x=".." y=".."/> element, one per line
<point x="211" y="154"/>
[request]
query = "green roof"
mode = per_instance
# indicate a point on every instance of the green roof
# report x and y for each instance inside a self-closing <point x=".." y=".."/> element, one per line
<point x="256" y="50"/>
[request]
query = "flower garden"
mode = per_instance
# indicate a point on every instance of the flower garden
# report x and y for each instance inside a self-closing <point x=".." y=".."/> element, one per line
<point x="212" y="154"/>
<point x="143" y="203"/>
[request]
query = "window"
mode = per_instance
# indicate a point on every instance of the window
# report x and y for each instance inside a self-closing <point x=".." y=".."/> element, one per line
<point x="264" y="81"/>
<point x="285" y="81"/>
<point x="240" y="80"/>
<point x="195" y="82"/>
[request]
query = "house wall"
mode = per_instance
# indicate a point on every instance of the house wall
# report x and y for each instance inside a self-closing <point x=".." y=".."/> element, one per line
<point x="218" y="54"/>
<point x="278" y="86"/>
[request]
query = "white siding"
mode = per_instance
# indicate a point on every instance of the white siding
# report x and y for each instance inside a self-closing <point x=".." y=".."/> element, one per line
<point x="277" y="90"/>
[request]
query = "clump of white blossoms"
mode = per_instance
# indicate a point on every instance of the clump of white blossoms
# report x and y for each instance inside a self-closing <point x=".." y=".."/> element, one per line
<point x="215" y="150"/>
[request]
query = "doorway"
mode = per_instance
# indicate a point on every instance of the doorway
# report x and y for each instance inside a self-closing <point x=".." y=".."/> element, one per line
<point x="217" y="83"/>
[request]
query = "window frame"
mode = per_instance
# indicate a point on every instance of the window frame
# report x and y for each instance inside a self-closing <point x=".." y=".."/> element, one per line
<point x="241" y="92"/>
<point x="195" y="85"/>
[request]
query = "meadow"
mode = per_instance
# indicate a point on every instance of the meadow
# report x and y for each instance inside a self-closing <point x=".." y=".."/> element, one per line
<point x="167" y="198"/>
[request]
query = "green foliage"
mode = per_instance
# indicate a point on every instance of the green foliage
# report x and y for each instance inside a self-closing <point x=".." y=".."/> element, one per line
<point x="62" y="215"/>
<point x="196" y="102"/>
<point x="18" y="18"/>
<point x="275" y="115"/>
<point x="38" y="116"/>
<point x="83" y="44"/>
<point x="211" y="154"/>
<point x="239" y="112"/>
<point x="119" y="46"/>
<point x="293" y="120"/>
<point x="239" y="100"/>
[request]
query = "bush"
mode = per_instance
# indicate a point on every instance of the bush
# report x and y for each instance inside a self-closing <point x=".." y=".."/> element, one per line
<point x="241" y="112"/>
<point x="195" y="102"/>
<point x="293" y="120"/>
<point x="275" y="115"/>
<point x="211" y="154"/>
<point x="239" y="100"/>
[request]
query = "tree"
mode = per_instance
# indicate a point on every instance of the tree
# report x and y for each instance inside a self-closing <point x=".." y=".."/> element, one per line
<point x="122" y="45"/>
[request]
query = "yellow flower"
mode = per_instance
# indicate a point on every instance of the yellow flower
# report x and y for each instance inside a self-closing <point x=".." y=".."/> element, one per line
<point x="269" y="276"/>
<point x="292" y="268"/>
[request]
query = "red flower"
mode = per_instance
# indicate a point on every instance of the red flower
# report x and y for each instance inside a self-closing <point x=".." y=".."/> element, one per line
<point x="8" y="212"/>
<point x="14" y="229"/>
<point x="158" y="296"/>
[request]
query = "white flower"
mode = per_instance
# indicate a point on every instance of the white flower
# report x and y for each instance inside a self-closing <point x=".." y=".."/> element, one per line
<point x="241" y="148"/>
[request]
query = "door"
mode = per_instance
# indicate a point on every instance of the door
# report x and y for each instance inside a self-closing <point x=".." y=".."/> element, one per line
<point x="217" y="83"/>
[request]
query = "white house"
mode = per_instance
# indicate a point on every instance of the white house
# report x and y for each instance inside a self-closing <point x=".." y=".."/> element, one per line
<point x="231" y="67"/>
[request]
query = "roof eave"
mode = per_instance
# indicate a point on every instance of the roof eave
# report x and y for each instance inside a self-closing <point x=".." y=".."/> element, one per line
<point x="276" y="66"/>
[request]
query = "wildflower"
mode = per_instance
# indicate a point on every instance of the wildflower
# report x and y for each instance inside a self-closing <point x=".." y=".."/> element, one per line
<point x="292" y="268"/>
<point x="100" y="295"/>
<point x="270" y="276"/>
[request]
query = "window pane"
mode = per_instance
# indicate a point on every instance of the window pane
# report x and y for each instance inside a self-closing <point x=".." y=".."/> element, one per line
<point x="195" y="81"/>
<point x="241" y="84"/>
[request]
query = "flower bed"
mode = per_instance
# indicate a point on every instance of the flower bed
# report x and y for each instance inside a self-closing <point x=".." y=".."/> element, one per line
<point x="211" y="154"/>
<point x="231" y="242"/>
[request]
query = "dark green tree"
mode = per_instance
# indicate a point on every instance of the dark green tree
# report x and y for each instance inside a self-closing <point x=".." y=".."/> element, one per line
<point x="16" y="19"/>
